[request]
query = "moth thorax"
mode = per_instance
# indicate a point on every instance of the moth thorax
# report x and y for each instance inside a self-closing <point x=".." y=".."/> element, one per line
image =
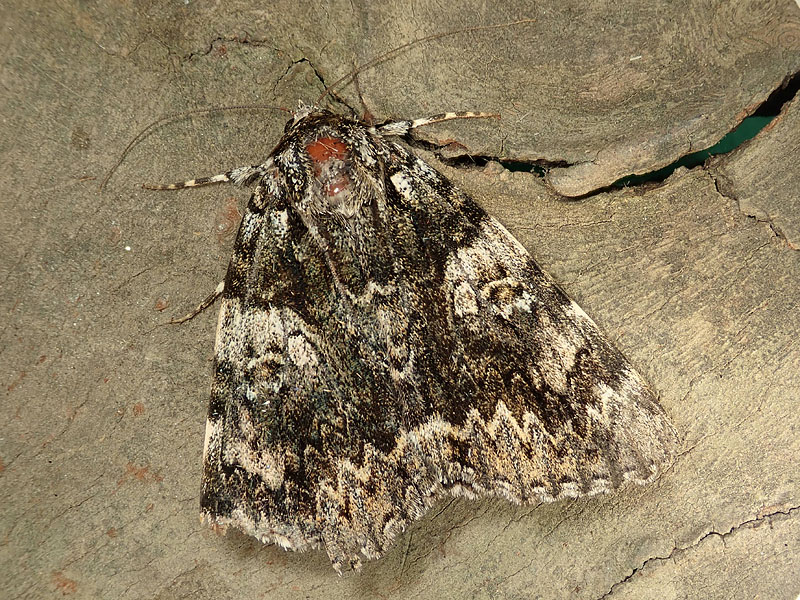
<point x="332" y="184"/>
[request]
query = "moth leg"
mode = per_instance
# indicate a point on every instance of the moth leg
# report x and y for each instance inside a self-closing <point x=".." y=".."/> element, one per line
<point x="403" y="127"/>
<point x="366" y="116"/>
<point x="239" y="176"/>
<point x="203" y="305"/>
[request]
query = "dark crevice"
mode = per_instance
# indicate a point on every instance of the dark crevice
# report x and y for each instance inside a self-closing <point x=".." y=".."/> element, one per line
<point x="754" y="522"/>
<point x="246" y="40"/>
<point x="773" y="105"/>
<point x="724" y="191"/>
<point x="538" y="167"/>
<point x="747" y="129"/>
<point x="744" y="131"/>
<point x="320" y="77"/>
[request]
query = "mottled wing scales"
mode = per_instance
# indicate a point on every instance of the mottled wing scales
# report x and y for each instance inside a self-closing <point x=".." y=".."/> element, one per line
<point x="383" y="342"/>
<point x="574" y="417"/>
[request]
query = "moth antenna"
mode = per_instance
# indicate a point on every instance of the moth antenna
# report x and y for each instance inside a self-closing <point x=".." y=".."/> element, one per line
<point x="403" y="127"/>
<point x="394" y="52"/>
<point x="174" y="117"/>
<point x="366" y="115"/>
<point x="239" y="176"/>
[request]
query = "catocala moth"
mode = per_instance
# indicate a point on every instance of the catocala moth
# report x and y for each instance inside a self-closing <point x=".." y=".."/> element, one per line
<point x="383" y="342"/>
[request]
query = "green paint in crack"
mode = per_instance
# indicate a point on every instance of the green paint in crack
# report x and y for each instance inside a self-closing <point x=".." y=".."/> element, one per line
<point x="746" y="130"/>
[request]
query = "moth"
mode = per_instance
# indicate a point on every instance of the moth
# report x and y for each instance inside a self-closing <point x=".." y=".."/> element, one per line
<point x="384" y="342"/>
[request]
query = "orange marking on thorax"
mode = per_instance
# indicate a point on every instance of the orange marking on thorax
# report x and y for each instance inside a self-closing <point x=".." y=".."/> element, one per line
<point x="326" y="148"/>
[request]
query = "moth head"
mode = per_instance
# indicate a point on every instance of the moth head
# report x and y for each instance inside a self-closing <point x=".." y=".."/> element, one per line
<point x="303" y="110"/>
<point x="339" y="160"/>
